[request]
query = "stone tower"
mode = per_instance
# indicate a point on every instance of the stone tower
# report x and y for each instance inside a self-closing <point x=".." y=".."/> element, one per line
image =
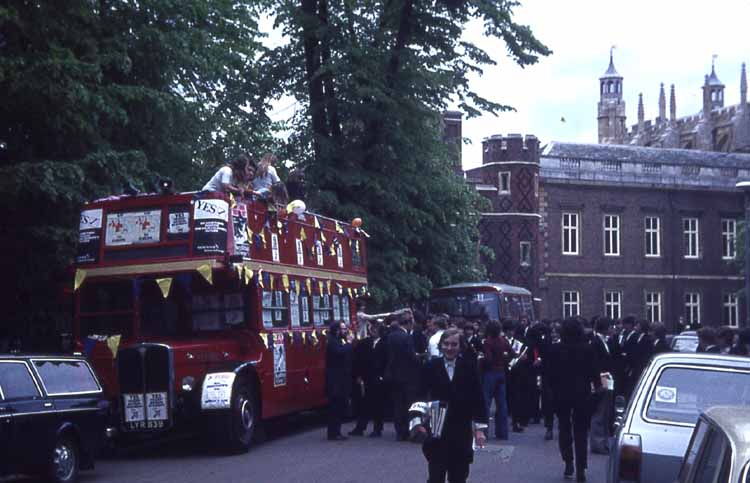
<point x="611" y="107"/>
<point x="715" y="91"/>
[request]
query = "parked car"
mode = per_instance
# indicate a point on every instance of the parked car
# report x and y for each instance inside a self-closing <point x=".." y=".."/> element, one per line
<point x="52" y="416"/>
<point x="684" y="343"/>
<point x="654" y="430"/>
<point x="719" y="450"/>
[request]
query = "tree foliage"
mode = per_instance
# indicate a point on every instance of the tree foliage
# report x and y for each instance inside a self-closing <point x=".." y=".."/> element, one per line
<point x="374" y="76"/>
<point x="99" y="94"/>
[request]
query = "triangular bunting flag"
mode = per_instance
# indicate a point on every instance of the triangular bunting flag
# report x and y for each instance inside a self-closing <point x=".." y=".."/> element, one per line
<point x="238" y="267"/>
<point x="113" y="343"/>
<point x="331" y="250"/>
<point x="207" y="273"/>
<point x="263" y="340"/>
<point x="260" y="278"/>
<point x="316" y="223"/>
<point x="249" y="234"/>
<point x="296" y="287"/>
<point x="263" y="238"/>
<point x="232" y="203"/>
<point x="349" y="291"/>
<point x="164" y="284"/>
<point x="248" y="275"/>
<point x="339" y="229"/>
<point x="320" y="287"/>
<point x="79" y="278"/>
<point x="302" y="234"/>
<point x="271" y="279"/>
<point x="285" y="282"/>
<point x="308" y="283"/>
<point x="328" y="287"/>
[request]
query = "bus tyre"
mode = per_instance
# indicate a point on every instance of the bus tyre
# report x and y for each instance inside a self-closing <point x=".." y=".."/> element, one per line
<point x="241" y="419"/>
<point x="64" y="461"/>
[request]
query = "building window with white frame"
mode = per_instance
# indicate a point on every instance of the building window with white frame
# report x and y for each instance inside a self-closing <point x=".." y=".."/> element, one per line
<point x="652" y="226"/>
<point x="570" y="239"/>
<point x="613" y="304"/>
<point x="693" y="308"/>
<point x="730" y="310"/>
<point x="611" y="235"/>
<point x="728" y="239"/>
<point x="690" y="238"/>
<point x="653" y="306"/>
<point x="503" y="185"/>
<point x="525" y="253"/>
<point x="571" y="304"/>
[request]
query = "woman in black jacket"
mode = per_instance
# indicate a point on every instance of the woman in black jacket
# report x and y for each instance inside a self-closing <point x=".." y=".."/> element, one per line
<point x="338" y="377"/>
<point x="572" y="368"/>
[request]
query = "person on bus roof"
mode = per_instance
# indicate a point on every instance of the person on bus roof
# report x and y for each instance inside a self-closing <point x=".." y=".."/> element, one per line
<point x="234" y="177"/>
<point x="265" y="175"/>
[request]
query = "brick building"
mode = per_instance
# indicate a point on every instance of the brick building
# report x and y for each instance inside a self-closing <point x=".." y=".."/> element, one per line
<point x="593" y="229"/>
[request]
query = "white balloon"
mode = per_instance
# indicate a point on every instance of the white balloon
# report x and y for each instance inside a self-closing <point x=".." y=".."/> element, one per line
<point x="297" y="207"/>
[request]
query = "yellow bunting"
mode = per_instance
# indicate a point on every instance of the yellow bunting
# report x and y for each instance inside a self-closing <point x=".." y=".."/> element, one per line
<point x="308" y="283"/>
<point x="238" y="267"/>
<point x="164" y="284"/>
<point x="285" y="282"/>
<point x="263" y="339"/>
<point x="320" y="287"/>
<point x="79" y="278"/>
<point x="349" y="291"/>
<point x="207" y="273"/>
<point x="248" y="276"/>
<point x="291" y="334"/>
<point x="339" y="229"/>
<point x="249" y="235"/>
<point x="271" y="280"/>
<point x="260" y="277"/>
<point x="332" y="250"/>
<point x="325" y="331"/>
<point x="297" y="288"/>
<point x="113" y="343"/>
<point x="263" y="237"/>
<point x="232" y="203"/>
<point x="323" y="236"/>
<point x="328" y="286"/>
<point x="302" y="235"/>
<point x="317" y="223"/>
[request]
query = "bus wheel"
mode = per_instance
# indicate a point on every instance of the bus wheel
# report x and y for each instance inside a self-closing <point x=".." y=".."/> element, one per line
<point x="242" y="417"/>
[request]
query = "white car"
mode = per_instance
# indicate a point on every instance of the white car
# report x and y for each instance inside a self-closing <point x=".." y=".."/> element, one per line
<point x="654" y="430"/>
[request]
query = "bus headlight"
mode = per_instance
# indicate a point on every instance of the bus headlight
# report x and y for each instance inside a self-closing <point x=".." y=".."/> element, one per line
<point x="188" y="383"/>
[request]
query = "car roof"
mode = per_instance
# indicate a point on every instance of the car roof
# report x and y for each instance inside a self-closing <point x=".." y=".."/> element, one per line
<point x="735" y="422"/>
<point x="739" y="362"/>
<point x="26" y="357"/>
<point x="500" y="287"/>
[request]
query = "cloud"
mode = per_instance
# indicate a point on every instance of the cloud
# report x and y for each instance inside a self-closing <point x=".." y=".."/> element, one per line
<point x="657" y="41"/>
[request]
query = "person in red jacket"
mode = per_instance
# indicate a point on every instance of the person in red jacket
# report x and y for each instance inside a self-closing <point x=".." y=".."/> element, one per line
<point x="497" y="353"/>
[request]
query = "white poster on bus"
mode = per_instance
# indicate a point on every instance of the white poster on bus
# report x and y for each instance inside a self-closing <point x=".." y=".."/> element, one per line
<point x="279" y="360"/>
<point x="133" y="227"/>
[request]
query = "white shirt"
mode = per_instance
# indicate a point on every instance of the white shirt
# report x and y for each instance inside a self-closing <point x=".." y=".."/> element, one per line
<point x="450" y="368"/>
<point x="263" y="183"/>
<point x="433" y="346"/>
<point x="222" y="176"/>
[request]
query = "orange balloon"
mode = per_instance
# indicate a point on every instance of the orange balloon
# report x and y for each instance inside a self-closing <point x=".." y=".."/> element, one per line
<point x="357" y="222"/>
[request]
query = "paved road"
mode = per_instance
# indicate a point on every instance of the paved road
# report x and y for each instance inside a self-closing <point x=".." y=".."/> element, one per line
<point x="297" y="452"/>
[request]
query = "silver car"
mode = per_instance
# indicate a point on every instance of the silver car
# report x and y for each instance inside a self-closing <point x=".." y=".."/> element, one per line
<point x="719" y="450"/>
<point x="654" y="430"/>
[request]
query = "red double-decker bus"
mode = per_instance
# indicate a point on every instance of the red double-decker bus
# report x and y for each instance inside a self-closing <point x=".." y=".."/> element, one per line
<point x="197" y="310"/>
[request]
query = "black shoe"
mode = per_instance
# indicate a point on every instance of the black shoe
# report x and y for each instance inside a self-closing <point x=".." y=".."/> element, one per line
<point x="569" y="470"/>
<point x="337" y="437"/>
<point x="375" y="434"/>
<point x="581" y="475"/>
<point x="517" y="428"/>
<point x="548" y="436"/>
<point x="356" y="432"/>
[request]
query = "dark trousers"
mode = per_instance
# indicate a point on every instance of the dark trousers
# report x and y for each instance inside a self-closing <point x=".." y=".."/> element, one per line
<point x="573" y="424"/>
<point x="402" y="397"/>
<point x="548" y="405"/>
<point x="599" y="437"/>
<point x="336" y="410"/>
<point x="373" y="407"/>
<point x="439" y="468"/>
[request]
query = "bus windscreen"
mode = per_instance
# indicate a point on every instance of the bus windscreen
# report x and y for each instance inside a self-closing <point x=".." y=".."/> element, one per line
<point x="476" y="305"/>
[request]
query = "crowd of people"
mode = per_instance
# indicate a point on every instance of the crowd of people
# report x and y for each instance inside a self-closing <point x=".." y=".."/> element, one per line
<point x="532" y="372"/>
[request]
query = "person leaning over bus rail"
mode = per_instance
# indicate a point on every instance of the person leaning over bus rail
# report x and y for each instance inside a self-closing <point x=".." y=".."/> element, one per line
<point x="234" y="177"/>
<point x="265" y="175"/>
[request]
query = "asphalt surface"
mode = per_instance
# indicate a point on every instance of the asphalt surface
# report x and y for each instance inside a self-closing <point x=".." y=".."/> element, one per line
<point x="296" y="451"/>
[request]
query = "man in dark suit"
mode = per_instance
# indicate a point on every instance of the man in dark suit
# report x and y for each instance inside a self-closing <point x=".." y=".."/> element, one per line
<point x="401" y="373"/>
<point x="338" y="377"/>
<point x="707" y="342"/>
<point x="368" y="368"/>
<point x="573" y="370"/>
<point x="628" y="342"/>
<point x="659" y="336"/>
<point x="453" y="379"/>
<point x="600" y="420"/>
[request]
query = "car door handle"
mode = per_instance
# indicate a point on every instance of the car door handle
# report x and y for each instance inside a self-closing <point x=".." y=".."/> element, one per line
<point x="48" y="405"/>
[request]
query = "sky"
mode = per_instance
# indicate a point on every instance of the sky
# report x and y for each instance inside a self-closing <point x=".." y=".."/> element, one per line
<point x="656" y="41"/>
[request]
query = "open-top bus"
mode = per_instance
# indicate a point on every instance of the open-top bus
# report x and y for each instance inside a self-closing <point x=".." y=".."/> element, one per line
<point x="199" y="310"/>
<point x="482" y="300"/>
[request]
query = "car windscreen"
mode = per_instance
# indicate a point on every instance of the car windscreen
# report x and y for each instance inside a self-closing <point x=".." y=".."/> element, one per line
<point x="468" y="305"/>
<point x="681" y="393"/>
<point x="61" y="377"/>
